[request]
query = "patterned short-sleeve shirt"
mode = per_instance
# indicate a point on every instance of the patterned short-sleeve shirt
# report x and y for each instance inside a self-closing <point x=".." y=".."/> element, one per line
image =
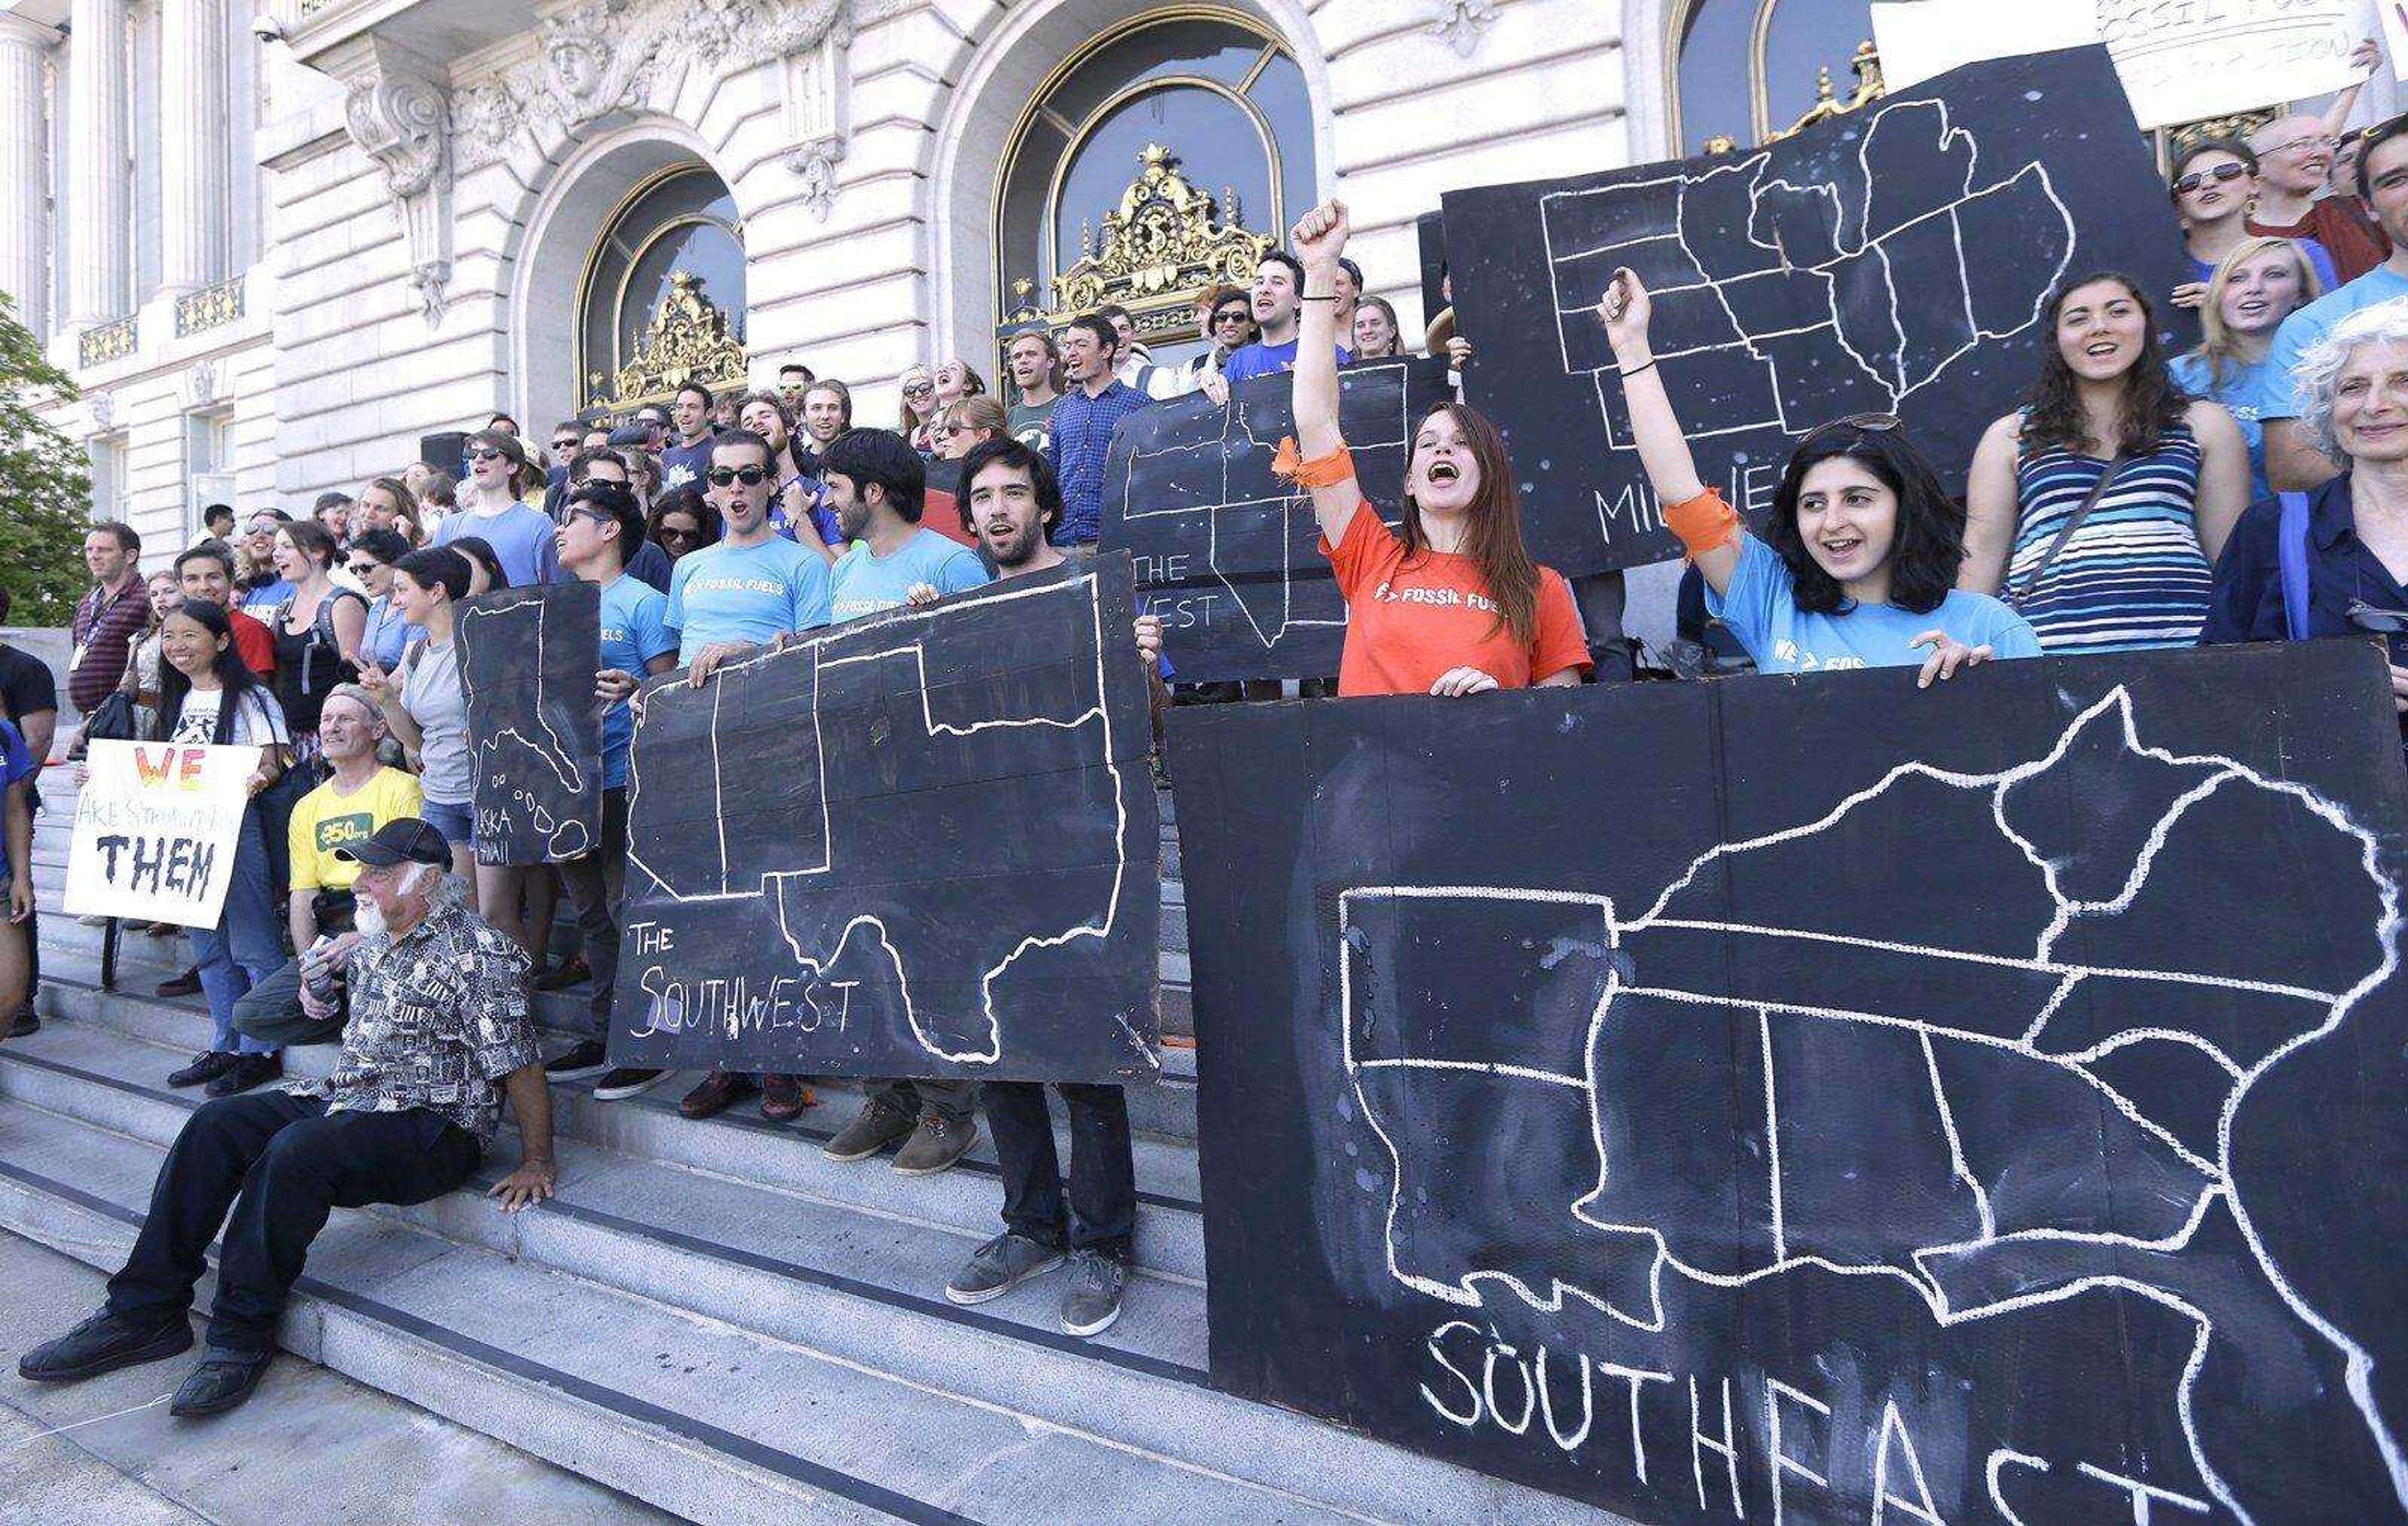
<point x="438" y="1017"/>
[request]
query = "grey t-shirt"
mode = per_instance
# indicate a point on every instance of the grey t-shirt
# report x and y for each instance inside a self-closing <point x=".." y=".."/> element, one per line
<point x="430" y="691"/>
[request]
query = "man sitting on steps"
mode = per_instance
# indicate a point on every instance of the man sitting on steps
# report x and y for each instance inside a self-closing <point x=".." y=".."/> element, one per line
<point x="438" y="1022"/>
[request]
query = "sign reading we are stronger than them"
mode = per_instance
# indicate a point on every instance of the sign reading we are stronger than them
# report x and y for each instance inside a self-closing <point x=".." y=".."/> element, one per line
<point x="155" y="831"/>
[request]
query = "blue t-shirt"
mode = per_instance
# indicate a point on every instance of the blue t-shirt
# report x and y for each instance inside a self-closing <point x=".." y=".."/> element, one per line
<point x="686" y="465"/>
<point x="2247" y="394"/>
<point x="2303" y="329"/>
<point x="266" y="595"/>
<point x="730" y="593"/>
<point x="521" y="535"/>
<point x="1760" y="608"/>
<point x="2318" y="256"/>
<point x="16" y="763"/>
<point x="866" y="584"/>
<point x="388" y="635"/>
<point x="1261" y="360"/>
<point x="635" y="630"/>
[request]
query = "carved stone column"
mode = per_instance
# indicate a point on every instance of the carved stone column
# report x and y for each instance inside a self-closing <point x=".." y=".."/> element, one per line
<point x="100" y="180"/>
<point x="24" y="170"/>
<point x="194" y="193"/>
<point x="398" y="110"/>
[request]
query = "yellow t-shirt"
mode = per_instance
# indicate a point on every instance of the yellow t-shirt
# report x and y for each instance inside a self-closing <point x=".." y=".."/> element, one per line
<point x="324" y="820"/>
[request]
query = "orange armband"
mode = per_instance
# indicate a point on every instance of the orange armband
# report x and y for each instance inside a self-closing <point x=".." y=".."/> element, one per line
<point x="1322" y="471"/>
<point x="1702" y="522"/>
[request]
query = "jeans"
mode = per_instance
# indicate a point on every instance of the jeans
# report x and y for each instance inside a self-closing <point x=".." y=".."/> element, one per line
<point x="243" y="949"/>
<point x="270" y="1011"/>
<point x="274" y="808"/>
<point x="453" y="822"/>
<point x="1103" y="1174"/>
<point x="280" y="1162"/>
<point x="951" y="1100"/>
<point x="593" y="881"/>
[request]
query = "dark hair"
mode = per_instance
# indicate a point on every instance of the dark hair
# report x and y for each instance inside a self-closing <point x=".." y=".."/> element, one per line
<point x="1003" y="450"/>
<point x="1493" y="536"/>
<point x="2375" y="137"/>
<point x="699" y="390"/>
<point x="119" y="532"/>
<point x="796" y="366"/>
<point x="524" y="474"/>
<point x="581" y="462"/>
<point x="1926" y="545"/>
<point x="214" y="510"/>
<point x="208" y="550"/>
<point x="575" y="426"/>
<point x="479" y="549"/>
<point x="329" y="500"/>
<point x="490" y="419"/>
<point x="885" y="458"/>
<point x="277" y="514"/>
<point x="1353" y="269"/>
<point x="442" y="490"/>
<point x="234" y="675"/>
<point x="2154" y="402"/>
<point x="726" y="438"/>
<point x="438" y="566"/>
<point x="1281" y="257"/>
<point x="621" y="505"/>
<point x="2189" y="151"/>
<point x="683" y="501"/>
<point x="311" y="539"/>
<point x="1111" y="310"/>
<point x="777" y="405"/>
<point x="386" y="546"/>
<point x="3" y="604"/>
<point x="1099" y="325"/>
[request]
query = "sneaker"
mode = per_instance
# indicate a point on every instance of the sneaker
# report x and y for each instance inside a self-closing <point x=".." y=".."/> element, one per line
<point x="1093" y="1300"/>
<point x="102" y="1344"/>
<point x="571" y="971"/>
<point x="208" y="1065"/>
<point x="872" y="1129"/>
<point x="936" y="1145"/>
<point x="1001" y="1265"/>
<point x="586" y="1059"/>
<point x="718" y="1089"/>
<point x="248" y="1070"/>
<point x="186" y="984"/>
<point x="784" y="1097"/>
<point x="627" y="1081"/>
<point x="222" y="1382"/>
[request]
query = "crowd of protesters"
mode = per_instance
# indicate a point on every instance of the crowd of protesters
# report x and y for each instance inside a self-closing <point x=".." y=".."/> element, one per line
<point x="2253" y="488"/>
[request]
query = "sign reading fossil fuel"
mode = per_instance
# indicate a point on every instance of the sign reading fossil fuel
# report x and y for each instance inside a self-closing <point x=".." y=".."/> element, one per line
<point x="527" y="660"/>
<point x="1972" y="1104"/>
<point x="1227" y="551"/>
<point x="1898" y="260"/>
<point x="921" y="843"/>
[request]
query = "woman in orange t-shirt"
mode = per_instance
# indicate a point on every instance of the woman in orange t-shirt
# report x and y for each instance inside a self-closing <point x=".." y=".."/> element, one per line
<point x="1452" y="604"/>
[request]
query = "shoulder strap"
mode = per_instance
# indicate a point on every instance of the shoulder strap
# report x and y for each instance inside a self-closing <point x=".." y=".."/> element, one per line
<point x="2072" y="523"/>
<point x="2291" y="554"/>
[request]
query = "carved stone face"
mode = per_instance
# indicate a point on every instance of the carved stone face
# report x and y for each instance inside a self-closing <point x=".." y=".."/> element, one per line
<point x="580" y="64"/>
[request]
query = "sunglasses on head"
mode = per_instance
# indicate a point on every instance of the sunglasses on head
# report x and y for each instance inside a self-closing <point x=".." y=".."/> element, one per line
<point x="2220" y="175"/>
<point x="1863" y="423"/>
<point x="752" y="477"/>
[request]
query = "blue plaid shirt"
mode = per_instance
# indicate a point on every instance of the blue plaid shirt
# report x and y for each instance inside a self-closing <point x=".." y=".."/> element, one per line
<point x="1082" y="434"/>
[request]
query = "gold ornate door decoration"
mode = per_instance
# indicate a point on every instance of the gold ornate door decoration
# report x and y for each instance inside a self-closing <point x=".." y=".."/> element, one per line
<point x="687" y="340"/>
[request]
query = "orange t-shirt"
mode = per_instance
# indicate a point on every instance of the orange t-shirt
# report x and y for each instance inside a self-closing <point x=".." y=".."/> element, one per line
<point x="1409" y="621"/>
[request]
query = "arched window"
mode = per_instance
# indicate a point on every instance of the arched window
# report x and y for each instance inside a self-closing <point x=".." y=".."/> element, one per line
<point x="1203" y="91"/>
<point x="1746" y="70"/>
<point x="662" y="298"/>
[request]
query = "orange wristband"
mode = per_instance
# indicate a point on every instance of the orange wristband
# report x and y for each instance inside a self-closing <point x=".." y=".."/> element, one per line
<point x="1702" y="522"/>
<point x="1322" y="471"/>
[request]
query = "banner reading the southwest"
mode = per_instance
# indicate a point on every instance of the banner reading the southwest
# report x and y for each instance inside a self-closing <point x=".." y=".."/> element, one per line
<point x="155" y="831"/>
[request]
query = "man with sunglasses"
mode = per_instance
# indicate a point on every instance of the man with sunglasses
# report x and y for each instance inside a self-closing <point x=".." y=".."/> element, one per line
<point x="1226" y="316"/>
<point x="684" y="464"/>
<point x="645" y="562"/>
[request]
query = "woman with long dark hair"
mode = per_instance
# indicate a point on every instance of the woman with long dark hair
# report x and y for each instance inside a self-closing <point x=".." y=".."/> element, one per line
<point x="317" y="631"/>
<point x="423" y="701"/>
<point x="681" y="522"/>
<point x="1859" y="563"/>
<point x="1452" y="602"/>
<point x="2099" y="509"/>
<point x="207" y="696"/>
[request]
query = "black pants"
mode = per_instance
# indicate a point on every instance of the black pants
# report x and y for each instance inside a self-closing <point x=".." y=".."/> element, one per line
<point x="280" y="1162"/>
<point x="593" y="881"/>
<point x="1103" y="1176"/>
<point x="953" y="1101"/>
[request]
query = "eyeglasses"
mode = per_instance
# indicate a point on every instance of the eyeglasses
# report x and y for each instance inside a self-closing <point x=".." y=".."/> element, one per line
<point x="683" y="537"/>
<point x="2221" y="174"/>
<point x="2366" y="617"/>
<point x="752" y="477"/>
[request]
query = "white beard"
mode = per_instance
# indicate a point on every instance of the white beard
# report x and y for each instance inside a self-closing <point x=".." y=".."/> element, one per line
<point x="367" y="918"/>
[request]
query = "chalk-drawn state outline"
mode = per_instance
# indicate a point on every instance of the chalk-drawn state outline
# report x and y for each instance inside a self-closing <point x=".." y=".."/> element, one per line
<point x="816" y="645"/>
<point x="565" y="839"/>
<point x="1235" y="425"/>
<point x="2331" y="1010"/>
<point x="1577" y="325"/>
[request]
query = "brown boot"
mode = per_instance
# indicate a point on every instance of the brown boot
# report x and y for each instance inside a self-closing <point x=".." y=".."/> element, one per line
<point x="783" y="1098"/>
<point x="718" y="1089"/>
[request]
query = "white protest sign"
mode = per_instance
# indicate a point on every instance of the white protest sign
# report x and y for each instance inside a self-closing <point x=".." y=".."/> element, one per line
<point x="2394" y="16"/>
<point x="155" y="831"/>
<point x="2181" y="60"/>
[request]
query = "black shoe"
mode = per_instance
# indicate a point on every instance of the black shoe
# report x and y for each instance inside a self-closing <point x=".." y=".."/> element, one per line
<point x="102" y="1344"/>
<point x="222" y="1380"/>
<point x="186" y="984"/>
<point x="208" y="1065"/>
<point x="586" y="1059"/>
<point x="24" y="1025"/>
<point x="247" y="1071"/>
<point x="627" y="1081"/>
<point x="571" y="971"/>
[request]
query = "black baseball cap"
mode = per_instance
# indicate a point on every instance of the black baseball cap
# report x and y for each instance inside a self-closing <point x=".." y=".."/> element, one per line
<point x="404" y="839"/>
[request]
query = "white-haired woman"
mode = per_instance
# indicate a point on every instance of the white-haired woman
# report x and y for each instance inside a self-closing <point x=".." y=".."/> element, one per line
<point x="2334" y="560"/>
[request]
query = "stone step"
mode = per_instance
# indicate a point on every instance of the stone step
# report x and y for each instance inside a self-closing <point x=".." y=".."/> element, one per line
<point x="107" y="1450"/>
<point x="133" y="1042"/>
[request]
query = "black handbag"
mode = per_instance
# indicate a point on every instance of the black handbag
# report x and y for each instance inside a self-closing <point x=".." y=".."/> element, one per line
<point x="114" y="722"/>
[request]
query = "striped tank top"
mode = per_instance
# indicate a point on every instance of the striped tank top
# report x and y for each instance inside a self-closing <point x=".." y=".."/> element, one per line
<point x="2133" y="576"/>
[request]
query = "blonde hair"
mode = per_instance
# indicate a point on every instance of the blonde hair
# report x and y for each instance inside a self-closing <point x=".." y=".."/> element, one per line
<point x="2219" y="347"/>
<point x="978" y="411"/>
